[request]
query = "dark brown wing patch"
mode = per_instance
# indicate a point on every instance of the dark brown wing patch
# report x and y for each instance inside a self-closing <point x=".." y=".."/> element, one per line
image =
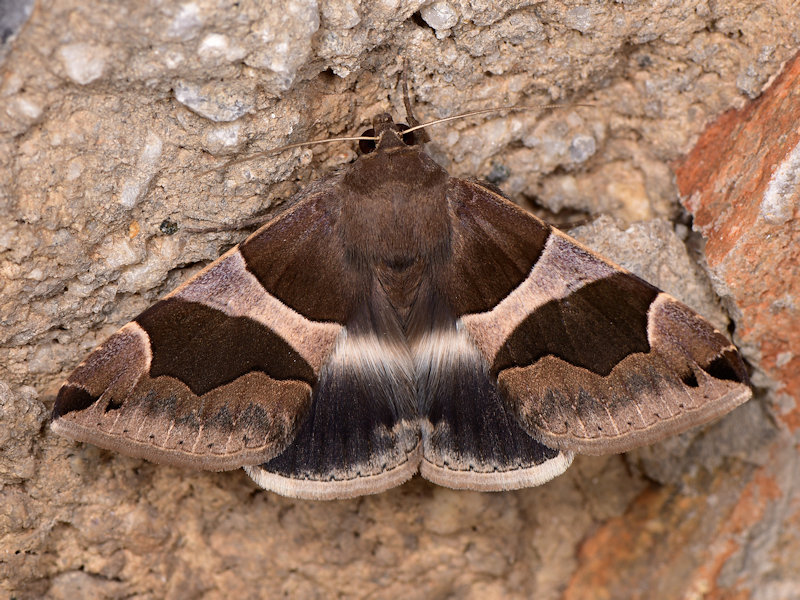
<point x="494" y="246"/>
<point x="205" y="348"/>
<point x="645" y="398"/>
<point x="595" y="327"/>
<point x="216" y="376"/>
<point x="300" y="259"/>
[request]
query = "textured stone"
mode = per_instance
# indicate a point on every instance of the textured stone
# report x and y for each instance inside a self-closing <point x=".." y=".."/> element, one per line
<point x="673" y="270"/>
<point x="127" y="126"/>
<point x="441" y="16"/>
<point x="216" y="101"/>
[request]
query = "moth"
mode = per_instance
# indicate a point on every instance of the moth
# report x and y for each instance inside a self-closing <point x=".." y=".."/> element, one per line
<point x="398" y="320"/>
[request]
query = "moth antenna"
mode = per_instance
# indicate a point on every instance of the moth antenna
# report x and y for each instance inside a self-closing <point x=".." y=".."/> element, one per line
<point x="485" y="111"/>
<point x="279" y="149"/>
<point x="412" y="120"/>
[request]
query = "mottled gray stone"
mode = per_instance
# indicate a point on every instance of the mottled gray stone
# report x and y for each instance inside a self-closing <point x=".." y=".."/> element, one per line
<point x="13" y="14"/>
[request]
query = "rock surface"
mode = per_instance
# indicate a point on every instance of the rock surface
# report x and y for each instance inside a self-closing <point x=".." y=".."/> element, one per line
<point x="118" y="125"/>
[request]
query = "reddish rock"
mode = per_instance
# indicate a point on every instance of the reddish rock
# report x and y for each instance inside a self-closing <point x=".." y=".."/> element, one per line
<point x="742" y="184"/>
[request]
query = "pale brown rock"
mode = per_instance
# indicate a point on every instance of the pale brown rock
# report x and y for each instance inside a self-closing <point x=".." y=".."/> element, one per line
<point x="116" y="121"/>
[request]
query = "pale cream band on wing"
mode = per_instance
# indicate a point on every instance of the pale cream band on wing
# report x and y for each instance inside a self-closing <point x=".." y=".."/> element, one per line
<point x="563" y="267"/>
<point x="228" y="286"/>
<point x="494" y="481"/>
<point x="403" y="364"/>
<point x="337" y="489"/>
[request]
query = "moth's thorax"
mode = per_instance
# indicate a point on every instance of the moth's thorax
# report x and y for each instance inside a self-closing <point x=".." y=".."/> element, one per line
<point x="388" y="132"/>
<point x="394" y="206"/>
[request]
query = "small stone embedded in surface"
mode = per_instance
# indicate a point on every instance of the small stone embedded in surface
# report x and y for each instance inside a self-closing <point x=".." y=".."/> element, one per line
<point x="780" y="200"/>
<point x="84" y="63"/>
<point x="223" y="137"/>
<point x="582" y="147"/>
<point x="13" y="14"/>
<point x="342" y="15"/>
<point x="439" y="15"/>
<point x="580" y="18"/>
<point x="186" y="22"/>
<point x="217" y="47"/>
<point x="136" y="186"/>
<point x="168" y="227"/>
<point x="285" y="41"/>
<point x="498" y="174"/>
<point x="217" y="101"/>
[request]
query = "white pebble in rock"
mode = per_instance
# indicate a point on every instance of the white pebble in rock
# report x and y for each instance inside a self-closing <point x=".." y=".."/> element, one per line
<point x="24" y="109"/>
<point x="217" y="47"/>
<point x="580" y="18"/>
<point x="782" y="196"/>
<point x="440" y="16"/>
<point x="119" y="251"/>
<point x="186" y="23"/>
<point x="223" y="138"/>
<point x="134" y="189"/>
<point x="217" y="102"/>
<point x="343" y="15"/>
<point x="284" y="42"/>
<point x="83" y="62"/>
<point x="582" y="147"/>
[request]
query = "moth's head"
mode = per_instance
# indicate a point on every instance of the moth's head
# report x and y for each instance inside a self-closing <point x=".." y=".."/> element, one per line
<point x="389" y="134"/>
